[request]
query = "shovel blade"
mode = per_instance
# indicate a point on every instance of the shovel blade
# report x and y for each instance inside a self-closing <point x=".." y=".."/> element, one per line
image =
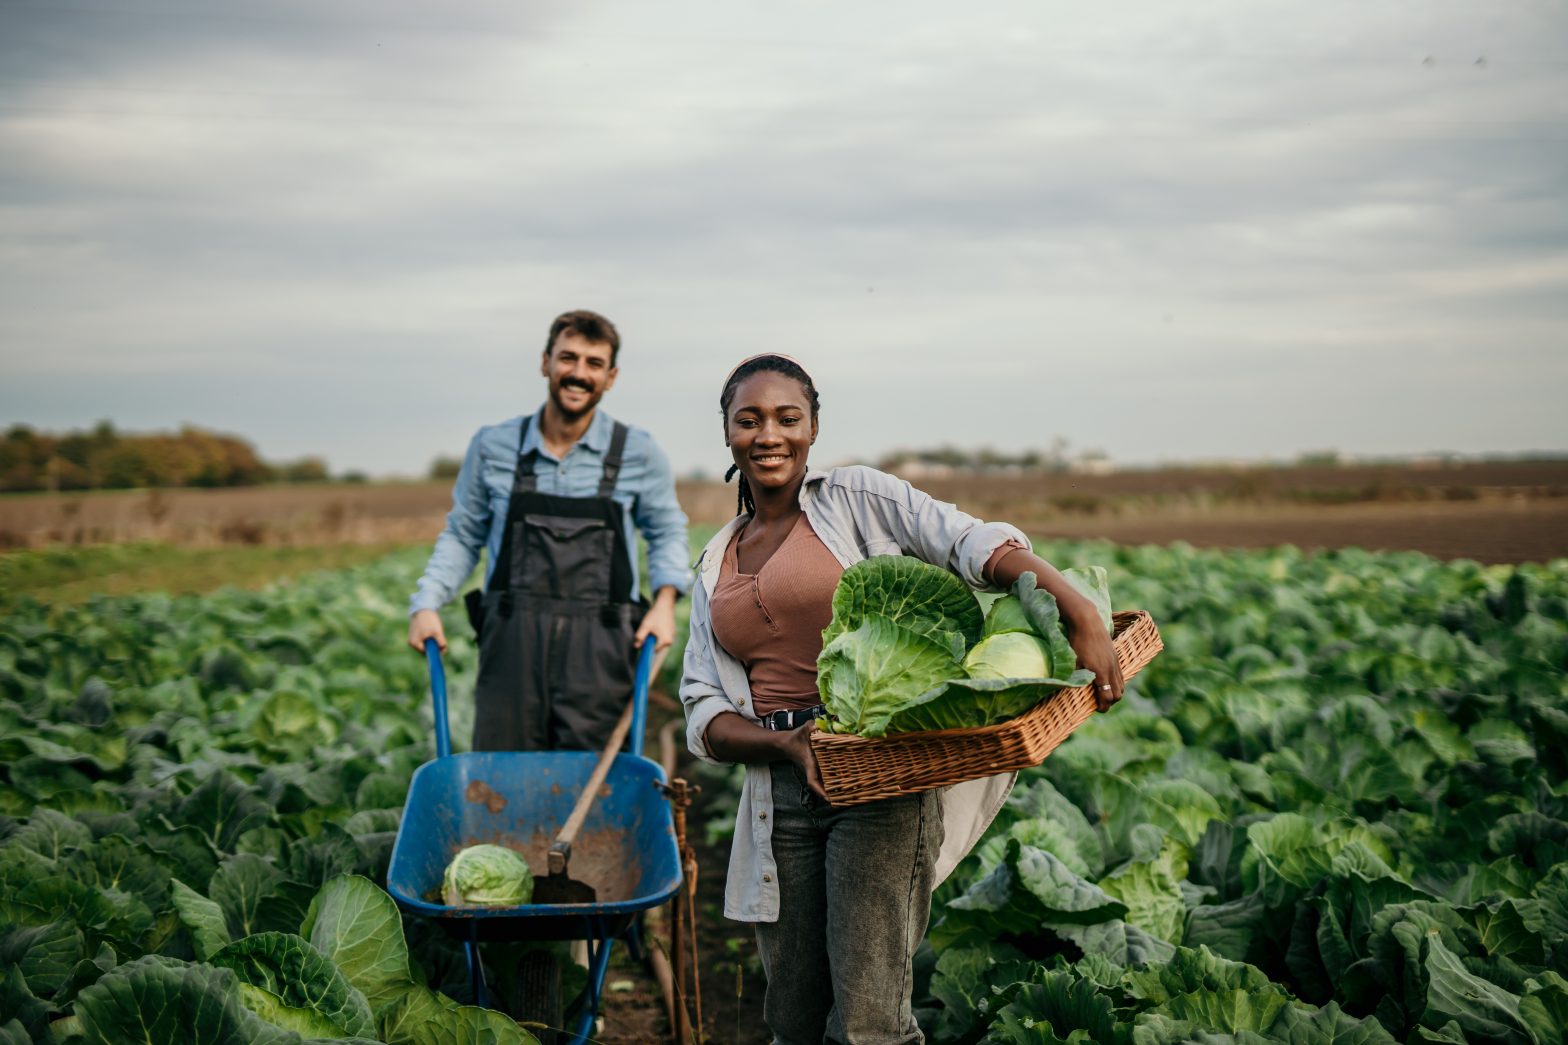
<point x="558" y="889"/>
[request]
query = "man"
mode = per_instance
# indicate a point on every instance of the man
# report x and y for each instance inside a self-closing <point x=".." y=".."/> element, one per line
<point x="556" y="500"/>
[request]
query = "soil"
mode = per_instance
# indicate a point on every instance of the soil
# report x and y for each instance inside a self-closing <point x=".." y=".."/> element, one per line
<point x="481" y="793"/>
<point x="1500" y="531"/>
<point x="1449" y="510"/>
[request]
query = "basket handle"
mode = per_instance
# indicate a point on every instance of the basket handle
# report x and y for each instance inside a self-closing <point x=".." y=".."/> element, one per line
<point x="444" y="729"/>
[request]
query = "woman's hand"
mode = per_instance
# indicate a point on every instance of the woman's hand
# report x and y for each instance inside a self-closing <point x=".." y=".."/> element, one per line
<point x="797" y="748"/>
<point x="1095" y="652"/>
<point x="732" y="738"/>
<point x="1084" y="629"/>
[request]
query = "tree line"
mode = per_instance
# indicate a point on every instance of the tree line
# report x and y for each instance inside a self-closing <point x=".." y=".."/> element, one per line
<point x="104" y="458"/>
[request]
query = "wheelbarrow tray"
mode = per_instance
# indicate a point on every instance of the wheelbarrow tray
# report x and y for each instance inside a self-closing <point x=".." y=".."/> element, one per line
<point x="626" y="849"/>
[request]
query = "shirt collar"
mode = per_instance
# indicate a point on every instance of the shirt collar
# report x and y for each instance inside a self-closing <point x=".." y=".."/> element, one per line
<point x="597" y="438"/>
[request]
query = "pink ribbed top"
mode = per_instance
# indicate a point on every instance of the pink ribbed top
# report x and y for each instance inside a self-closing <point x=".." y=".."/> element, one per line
<point x="772" y="620"/>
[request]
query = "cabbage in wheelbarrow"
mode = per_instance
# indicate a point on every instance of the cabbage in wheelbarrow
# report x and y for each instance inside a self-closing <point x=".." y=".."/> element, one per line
<point x="487" y="876"/>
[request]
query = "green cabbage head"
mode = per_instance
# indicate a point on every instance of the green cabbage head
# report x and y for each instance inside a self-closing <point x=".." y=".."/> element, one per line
<point x="1010" y="655"/>
<point x="487" y="876"/>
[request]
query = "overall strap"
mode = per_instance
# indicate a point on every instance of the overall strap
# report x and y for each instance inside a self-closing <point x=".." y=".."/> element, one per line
<point x="525" y="479"/>
<point x="612" y="460"/>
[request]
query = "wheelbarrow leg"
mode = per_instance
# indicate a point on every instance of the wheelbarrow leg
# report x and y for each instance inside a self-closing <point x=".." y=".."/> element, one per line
<point x="598" y="965"/>
<point x="476" y="968"/>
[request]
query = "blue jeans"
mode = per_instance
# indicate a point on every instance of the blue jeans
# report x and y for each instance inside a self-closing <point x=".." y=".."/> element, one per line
<point x="854" y="897"/>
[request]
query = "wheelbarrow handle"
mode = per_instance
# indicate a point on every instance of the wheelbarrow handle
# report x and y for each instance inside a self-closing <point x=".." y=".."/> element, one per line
<point x="438" y="697"/>
<point x="640" y="693"/>
<point x="444" y="729"/>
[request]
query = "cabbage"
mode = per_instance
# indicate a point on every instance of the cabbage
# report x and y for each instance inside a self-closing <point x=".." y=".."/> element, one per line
<point x="893" y="658"/>
<point x="1010" y="655"/>
<point x="487" y="876"/>
<point x="1007" y="614"/>
<point x="1093" y="584"/>
<point x="867" y="675"/>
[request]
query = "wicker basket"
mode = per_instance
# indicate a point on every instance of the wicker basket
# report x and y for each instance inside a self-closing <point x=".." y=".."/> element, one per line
<point x="863" y="769"/>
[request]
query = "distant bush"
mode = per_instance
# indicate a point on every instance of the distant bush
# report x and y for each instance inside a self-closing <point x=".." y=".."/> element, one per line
<point x="445" y="467"/>
<point x="305" y="470"/>
<point x="107" y="459"/>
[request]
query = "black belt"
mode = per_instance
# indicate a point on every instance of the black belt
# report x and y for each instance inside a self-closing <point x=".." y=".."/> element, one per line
<point x="787" y="720"/>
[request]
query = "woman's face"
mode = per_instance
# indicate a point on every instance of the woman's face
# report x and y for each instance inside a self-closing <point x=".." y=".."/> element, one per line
<point x="770" y="430"/>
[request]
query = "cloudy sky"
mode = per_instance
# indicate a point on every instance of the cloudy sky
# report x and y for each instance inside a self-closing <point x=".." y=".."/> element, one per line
<point x="1170" y="231"/>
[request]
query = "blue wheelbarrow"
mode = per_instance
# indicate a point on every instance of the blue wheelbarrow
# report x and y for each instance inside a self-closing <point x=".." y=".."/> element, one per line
<point x="625" y="848"/>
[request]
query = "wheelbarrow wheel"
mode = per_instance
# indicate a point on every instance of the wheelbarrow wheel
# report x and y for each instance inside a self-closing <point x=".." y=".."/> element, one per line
<point x="538" y="1000"/>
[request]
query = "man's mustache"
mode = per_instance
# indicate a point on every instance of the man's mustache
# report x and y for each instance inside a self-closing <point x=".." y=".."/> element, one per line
<point x="573" y="383"/>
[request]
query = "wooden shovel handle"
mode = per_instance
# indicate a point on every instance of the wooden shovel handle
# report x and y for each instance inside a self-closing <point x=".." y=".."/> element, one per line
<point x="561" y="849"/>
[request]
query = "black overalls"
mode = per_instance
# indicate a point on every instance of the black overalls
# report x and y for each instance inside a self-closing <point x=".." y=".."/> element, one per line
<point x="557" y="620"/>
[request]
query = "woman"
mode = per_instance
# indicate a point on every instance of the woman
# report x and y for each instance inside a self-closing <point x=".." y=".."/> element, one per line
<point x="840" y="896"/>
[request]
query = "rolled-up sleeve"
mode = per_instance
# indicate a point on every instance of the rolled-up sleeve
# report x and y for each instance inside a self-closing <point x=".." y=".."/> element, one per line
<point x="457" y="548"/>
<point x="938" y="532"/>
<point x="659" y="518"/>
<point x="702" y="693"/>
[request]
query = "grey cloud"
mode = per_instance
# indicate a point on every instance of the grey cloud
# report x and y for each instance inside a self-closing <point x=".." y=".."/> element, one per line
<point x="1197" y="213"/>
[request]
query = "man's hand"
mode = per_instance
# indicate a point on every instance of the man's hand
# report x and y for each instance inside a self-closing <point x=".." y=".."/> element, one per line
<point x="659" y="621"/>
<point x="426" y="624"/>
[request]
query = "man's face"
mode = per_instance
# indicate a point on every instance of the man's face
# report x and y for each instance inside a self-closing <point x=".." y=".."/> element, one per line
<point x="579" y="373"/>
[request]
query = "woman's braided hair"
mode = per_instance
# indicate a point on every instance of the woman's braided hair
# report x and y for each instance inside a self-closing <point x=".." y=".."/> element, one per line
<point x="744" y="504"/>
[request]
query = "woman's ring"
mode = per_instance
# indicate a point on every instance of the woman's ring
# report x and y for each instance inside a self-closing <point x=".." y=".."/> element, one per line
<point x="1106" y="688"/>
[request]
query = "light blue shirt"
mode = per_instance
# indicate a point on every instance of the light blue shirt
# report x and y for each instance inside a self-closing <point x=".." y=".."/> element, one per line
<point x="645" y="488"/>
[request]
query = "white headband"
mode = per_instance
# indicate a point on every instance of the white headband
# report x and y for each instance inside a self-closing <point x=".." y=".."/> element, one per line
<point x="765" y="355"/>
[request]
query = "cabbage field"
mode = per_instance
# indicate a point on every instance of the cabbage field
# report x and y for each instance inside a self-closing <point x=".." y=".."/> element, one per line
<point x="1334" y="810"/>
<point x="198" y="805"/>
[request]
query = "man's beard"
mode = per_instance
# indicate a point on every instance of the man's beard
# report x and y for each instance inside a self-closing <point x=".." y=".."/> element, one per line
<point x="574" y="414"/>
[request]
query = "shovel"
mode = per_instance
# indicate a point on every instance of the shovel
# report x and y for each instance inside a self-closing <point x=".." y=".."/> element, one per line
<point x="557" y="887"/>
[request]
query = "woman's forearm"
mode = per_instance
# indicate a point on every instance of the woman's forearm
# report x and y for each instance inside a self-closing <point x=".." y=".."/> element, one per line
<point x="733" y="738"/>
<point x="1075" y="608"/>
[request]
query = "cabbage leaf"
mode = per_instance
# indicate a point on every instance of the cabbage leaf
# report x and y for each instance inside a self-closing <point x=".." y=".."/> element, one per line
<point x="917" y="596"/>
<point x="869" y="674"/>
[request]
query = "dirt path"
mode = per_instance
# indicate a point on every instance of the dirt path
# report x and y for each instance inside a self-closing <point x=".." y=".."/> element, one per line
<point x="731" y="978"/>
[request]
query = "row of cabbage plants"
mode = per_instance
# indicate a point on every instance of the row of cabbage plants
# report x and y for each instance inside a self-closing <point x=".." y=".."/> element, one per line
<point x="1335" y="809"/>
<point x="198" y="798"/>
